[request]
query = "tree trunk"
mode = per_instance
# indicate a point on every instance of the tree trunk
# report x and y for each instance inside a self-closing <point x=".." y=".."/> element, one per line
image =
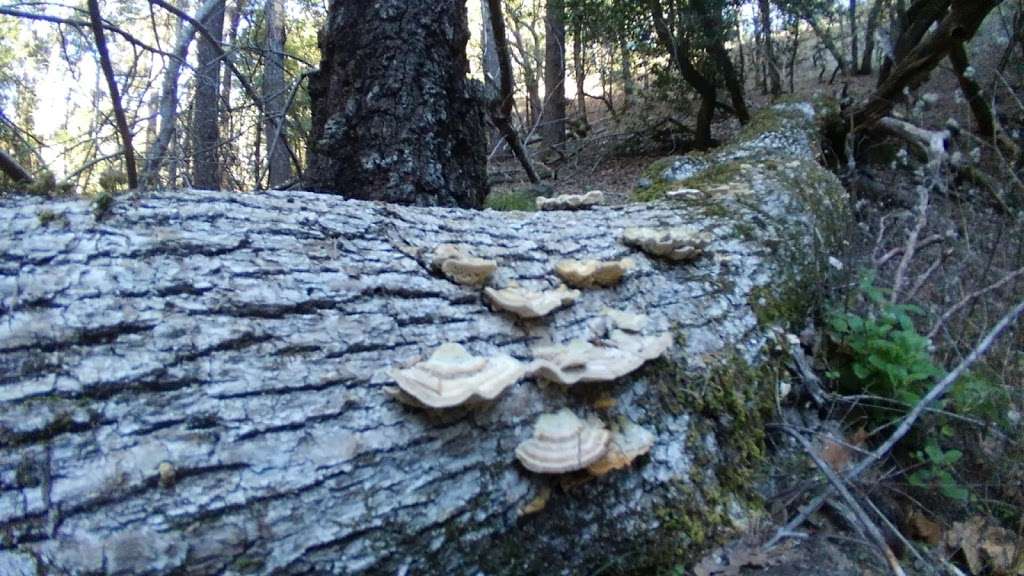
<point x="794" y="51"/>
<point x="680" y="53"/>
<point x="553" y="119"/>
<point x="229" y="149"/>
<point x="206" y="172"/>
<point x="911" y="25"/>
<point x="196" y="386"/>
<point x="115" y="94"/>
<point x="874" y="18"/>
<point x="501" y="114"/>
<point x="711" y="19"/>
<point x="628" y="83"/>
<point x="956" y="27"/>
<point x="854" y="48"/>
<point x="772" y="68"/>
<point x="579" y="65"/>
<point x="279" y="168"/>
<point x="394" y="117"/>
<point x="13" y="169"/>
<point x="157" y="153"/>
<point x="490" y="64"/>
<point x="826" y="38"/>
<point x="986" y="126"/>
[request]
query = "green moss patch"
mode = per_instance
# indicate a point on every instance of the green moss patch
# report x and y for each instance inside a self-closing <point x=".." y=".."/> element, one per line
<point x="511" y="200"/>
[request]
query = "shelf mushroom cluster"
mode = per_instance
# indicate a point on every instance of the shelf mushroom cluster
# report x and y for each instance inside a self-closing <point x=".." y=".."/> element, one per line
<point x="561" y="441"/>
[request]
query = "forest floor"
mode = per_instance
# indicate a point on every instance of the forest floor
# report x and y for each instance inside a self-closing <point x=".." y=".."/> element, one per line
<point x="967" y="251"/>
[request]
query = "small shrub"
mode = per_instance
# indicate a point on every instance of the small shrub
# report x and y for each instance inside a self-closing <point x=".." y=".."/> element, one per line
<point x="882" y="353"/>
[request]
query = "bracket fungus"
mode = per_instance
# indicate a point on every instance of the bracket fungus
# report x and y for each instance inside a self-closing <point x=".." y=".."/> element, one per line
<point x="626" y="320"/>
<point x="562" y="442"/>
<point x="628" y="443"/>
<point x="590" y="273"/>
<point x="460" y="267"/>
<point x="678" y="244"/>
<point x="529" y="304"/>
<point x="571" y="201"/>
<point x="580" y="361"/>
<point x="451" y="376"/>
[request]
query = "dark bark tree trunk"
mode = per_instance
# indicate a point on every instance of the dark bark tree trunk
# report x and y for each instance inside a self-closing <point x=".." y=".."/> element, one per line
<point x="957" y="26"/>
<point x="115" y="94"/>
<point x="394" y="116"/>
<point x="206" y="173"/>
<point x="158" y="152"/>
<point x="579" y="64"/>
<point x="501" y="113"/>
<point x="490" y="64"/>
<point x="742" y="51"/>
<point x="279" y="168"/>
<point x="196" y="387"/>
<point x="774" y="79"/>
<point x="714" y="31"/>
<point x="553" y="118"/>
<point x="229" y="149"/>
<point x="628" y="83"/>
<point x="874" y="18"/>
<point x="794" y="52"/>
<point x="986" y="126"/>
<point x="680" y="51"/>
<point x="854" y="47"/>
<point x="826" y="38"/>
<point x="911" y="26"/>
<point x="13" y="169"/>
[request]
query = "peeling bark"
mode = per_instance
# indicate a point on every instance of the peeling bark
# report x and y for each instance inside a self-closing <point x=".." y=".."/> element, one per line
<point x="195" y="384"/>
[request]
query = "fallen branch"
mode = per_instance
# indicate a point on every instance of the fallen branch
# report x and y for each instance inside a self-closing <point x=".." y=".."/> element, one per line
<point x="862" y="517"/>
<point x="13" y="169"/>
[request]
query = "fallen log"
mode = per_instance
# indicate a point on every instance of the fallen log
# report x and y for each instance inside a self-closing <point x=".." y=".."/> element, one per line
<point x="194" y="382"/>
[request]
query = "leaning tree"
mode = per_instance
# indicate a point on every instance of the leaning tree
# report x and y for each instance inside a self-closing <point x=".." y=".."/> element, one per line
<point x="394" y="117"/>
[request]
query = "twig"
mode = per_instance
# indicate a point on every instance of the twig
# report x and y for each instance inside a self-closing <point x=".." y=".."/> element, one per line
<point x="933" y="239"/>
<point x="862" y="517"/>
<point x="928" y="273"/>
<point x="910" y="248"/>
<point x="971" y="297"/>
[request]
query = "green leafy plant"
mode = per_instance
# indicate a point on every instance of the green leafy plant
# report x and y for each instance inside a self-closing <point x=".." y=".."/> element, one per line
<point x="881" y="351"/>
<point x="937" y="471"/>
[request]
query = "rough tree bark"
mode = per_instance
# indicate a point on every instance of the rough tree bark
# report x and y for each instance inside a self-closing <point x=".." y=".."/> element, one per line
<point x="911" y="26"/>
<point x="279" y="169"/>
<point x="681" y="54"/>
<point x="714" y="31"/>
<point x="553" y="116"/>
<point x="579" y="65"/>
<point x="206" y="171"/>
<point x="874" y="18"/>
<point x="489" y="57"/>
<point x="194" y="385"/>
<point x="394" y="117"/>
<point x="854" y="48"/>
<point x="957" y="26"/>
<point x="501" y="113"/>
<point x="157" y="153"/>
<point x="774" y="79"/>
<point x="13" y="169"/>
